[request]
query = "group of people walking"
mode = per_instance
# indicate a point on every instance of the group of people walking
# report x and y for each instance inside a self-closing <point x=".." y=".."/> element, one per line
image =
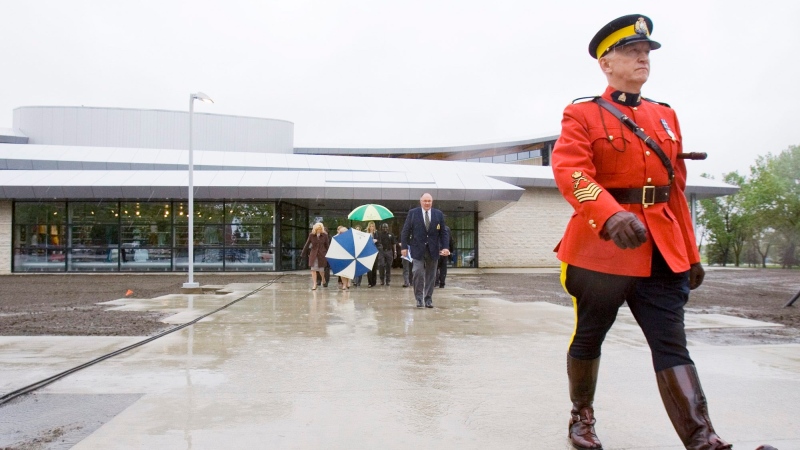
<point x="319" y="241"/>
<point x="425" y="245"/>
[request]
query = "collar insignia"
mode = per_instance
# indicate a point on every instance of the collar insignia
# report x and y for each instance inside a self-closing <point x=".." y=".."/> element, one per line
<point x="626" y="98"/>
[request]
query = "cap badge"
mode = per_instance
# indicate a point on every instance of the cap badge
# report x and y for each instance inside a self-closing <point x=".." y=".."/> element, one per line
<point x="640" y="27"/>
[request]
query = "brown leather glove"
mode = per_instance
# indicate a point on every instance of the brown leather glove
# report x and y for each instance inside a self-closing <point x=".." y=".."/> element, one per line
<point x="696" y="275"/>
<point x="625" y="229"/>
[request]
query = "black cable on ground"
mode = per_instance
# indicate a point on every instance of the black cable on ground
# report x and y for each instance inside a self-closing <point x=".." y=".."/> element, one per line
<point x="40" y="384"/>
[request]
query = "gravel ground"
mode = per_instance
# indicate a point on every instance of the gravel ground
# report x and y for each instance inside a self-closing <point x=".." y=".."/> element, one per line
<point x="758" y="294"/>
<point x="65" y="304"/>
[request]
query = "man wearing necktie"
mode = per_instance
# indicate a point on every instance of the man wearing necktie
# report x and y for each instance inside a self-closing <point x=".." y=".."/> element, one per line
<point x="425" y="236"/>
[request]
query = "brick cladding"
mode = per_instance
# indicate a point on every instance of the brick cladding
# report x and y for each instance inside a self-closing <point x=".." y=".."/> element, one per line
<point x="525" y="233"/>
<point x="5" y="238"/>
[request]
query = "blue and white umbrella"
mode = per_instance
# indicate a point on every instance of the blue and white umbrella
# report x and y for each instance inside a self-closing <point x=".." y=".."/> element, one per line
<point x="351" y="254"/>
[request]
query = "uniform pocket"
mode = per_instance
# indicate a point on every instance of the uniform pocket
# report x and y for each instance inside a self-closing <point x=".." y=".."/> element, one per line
<point x="611" y="149"/>
<point x="667" y="144"/>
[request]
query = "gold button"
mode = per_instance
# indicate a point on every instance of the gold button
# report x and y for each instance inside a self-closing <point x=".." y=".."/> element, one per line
<point x="647" y="153"/>
<point x="594" y="225"/>
<point x="649" y="180"/>
<point x="591" y="220"/>
<point x="635" y="109"/>
<point x="645" y="206"/>
<point x="610" y="138"/>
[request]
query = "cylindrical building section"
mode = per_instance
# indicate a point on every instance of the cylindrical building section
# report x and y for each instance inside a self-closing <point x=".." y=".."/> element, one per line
<point x="150" y="128"/>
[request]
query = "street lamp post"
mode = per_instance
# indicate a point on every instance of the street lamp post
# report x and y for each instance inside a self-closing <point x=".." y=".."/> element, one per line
<point x="203" y="98"/>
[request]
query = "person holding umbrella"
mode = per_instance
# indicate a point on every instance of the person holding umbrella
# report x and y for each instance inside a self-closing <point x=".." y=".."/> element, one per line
<point x="371" y="212"/>
<point x="372" y="274"/>
<point x="316" y="247"/>
<point x="351" y="254"/>
<point x="357" y="279"/>
<point x="344" y="282"/>
<point x="425" y="235"/>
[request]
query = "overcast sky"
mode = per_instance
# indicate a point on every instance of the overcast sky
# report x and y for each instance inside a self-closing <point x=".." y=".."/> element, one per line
<point x="410" y="73"/>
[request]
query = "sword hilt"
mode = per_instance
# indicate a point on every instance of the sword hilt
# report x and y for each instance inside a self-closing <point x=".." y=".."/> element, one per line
<point x="693" y="155"/>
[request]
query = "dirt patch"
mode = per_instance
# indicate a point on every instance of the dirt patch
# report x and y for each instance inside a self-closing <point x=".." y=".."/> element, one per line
<point x="66" y="305"/>
<point x="758" y="294"/>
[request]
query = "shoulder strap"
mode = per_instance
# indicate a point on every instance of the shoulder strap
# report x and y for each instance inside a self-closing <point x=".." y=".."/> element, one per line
<point x="639" y="132"/>
<point x="657" y="102"/>
<point x="583" y="99"/>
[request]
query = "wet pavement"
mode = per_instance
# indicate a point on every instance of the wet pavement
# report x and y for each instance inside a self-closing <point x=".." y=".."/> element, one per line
<point x="291" y="368"/>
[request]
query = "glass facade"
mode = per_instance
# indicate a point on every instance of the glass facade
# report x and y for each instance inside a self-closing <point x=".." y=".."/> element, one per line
<point x="39" y="235"/>
<point x="511" y="157"/>
<point x="131" y="236"/>
<point x="111" y="236"/>
<point x="462" y="227"/>
<point x="294" y="231"/>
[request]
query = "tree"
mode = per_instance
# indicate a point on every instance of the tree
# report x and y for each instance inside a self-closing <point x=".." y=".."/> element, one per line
<point x="726" y="224"/>
<point x="772" y="196"/>
<point x="761" y="241"/>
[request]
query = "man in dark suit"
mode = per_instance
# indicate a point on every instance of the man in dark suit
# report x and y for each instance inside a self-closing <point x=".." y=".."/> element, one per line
<point x="425" y="236"/>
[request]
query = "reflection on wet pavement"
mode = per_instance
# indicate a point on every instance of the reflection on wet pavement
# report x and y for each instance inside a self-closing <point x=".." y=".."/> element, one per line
<point x="293" y="368"/>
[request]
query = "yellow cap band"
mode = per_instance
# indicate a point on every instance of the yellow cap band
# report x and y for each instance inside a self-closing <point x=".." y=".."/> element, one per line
<point x="615" y="37"/>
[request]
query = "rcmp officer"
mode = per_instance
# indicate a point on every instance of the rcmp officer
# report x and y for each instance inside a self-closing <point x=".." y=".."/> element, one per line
<point x="631" y="237"/>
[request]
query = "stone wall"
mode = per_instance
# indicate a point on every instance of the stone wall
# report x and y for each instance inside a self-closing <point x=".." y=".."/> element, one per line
<point x="525" y="233"/>
<point x="5" y="237"/>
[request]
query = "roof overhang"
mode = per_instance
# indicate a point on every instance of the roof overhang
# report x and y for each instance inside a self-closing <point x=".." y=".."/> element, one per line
<point x="46" y="172"/>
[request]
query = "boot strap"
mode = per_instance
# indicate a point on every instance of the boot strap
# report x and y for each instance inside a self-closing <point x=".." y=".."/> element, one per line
<point x="587" y="420"/>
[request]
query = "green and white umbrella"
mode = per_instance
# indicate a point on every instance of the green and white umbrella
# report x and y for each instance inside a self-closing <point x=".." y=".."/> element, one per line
<point x="370" y="211"/>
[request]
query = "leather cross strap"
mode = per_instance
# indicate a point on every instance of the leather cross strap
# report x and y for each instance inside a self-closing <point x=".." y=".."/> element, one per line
<point x="647" y="195"/>
<point x="639" y="132"/>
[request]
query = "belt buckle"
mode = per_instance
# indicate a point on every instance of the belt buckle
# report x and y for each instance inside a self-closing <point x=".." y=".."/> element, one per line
<point x="652" y="190"/>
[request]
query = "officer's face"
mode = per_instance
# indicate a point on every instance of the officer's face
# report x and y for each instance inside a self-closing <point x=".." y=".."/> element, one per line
<point x="628" y="67"/>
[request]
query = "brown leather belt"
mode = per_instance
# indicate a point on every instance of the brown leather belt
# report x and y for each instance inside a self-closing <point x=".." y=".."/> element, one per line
<point x="647" y="195"/>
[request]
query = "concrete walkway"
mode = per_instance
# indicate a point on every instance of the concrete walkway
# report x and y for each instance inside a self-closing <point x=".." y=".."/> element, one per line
<point x="291" y="368"/>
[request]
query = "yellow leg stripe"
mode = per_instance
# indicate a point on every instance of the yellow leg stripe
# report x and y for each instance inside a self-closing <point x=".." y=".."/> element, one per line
<point x="563" y="278"/>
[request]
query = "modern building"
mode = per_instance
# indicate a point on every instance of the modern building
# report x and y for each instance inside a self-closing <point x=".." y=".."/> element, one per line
<point x="106" y="189"/>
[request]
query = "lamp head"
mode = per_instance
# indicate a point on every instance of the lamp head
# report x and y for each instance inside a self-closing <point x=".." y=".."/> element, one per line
<point x="202" y="97"/>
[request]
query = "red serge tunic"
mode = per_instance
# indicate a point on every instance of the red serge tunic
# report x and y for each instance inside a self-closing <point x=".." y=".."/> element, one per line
<point x="595" y="152"/>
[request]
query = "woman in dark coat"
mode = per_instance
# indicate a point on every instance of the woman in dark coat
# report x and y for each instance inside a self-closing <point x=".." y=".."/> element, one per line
<point x="372" y="275"/>
<point x="316" y="248"/>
